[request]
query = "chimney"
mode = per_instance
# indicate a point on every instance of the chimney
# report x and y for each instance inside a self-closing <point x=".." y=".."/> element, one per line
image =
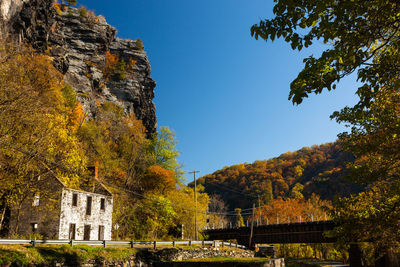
<point x="96" y="171"/>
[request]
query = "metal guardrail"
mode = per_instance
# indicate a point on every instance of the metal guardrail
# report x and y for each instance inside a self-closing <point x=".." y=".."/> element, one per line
<point x="105" y="243"/>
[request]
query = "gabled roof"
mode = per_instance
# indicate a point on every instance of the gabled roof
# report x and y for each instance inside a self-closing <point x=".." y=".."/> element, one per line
<point x="92" y="186"/>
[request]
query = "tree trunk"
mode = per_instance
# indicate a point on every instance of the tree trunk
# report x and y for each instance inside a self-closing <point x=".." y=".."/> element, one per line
<point x="390" y="259"/>
<point x="17" y="218"/>
<point x="3" y="213"/>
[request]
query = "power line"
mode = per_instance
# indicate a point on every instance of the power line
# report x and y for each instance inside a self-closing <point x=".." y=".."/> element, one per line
<point x="37" y="155"/>
<point x="233" y="190"/>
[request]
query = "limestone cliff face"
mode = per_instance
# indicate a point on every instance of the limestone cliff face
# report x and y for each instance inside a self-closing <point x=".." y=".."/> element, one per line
<point x="78" y="42"/>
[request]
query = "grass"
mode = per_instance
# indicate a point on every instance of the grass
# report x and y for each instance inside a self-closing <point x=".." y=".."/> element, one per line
<point x="226" y="259"/>
<point x="75" y="255"/>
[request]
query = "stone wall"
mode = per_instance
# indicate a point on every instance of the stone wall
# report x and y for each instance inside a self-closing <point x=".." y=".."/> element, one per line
<point x="266" y="263"/>
<point x="169" y="257"/>
<point x="77" y="215"/>
<point x="46" y="215"/>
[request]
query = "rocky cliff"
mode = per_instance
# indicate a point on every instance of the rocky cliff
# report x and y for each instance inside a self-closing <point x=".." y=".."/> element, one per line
<point x="78" y="41"/>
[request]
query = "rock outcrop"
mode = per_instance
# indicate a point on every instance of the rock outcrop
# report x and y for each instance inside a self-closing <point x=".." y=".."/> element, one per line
<point x="78" y="42"/>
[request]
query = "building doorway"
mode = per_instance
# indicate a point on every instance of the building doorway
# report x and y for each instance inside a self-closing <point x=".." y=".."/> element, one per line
<point x="101" y="232"/>
<point x="72" y="231"/>
<point x="86" y="232"/>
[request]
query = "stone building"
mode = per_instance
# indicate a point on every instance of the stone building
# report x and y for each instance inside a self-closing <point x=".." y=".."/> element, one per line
<point x="58" y="212"/>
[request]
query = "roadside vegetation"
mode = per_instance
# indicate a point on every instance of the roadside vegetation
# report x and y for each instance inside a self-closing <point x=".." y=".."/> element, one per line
<point x="73" y="256"/>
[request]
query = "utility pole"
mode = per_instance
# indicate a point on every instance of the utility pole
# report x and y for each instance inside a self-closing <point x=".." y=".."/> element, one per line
<point x="259" y="209"/>
<point x="195" y="203"/>
<point x="252" y="225"/>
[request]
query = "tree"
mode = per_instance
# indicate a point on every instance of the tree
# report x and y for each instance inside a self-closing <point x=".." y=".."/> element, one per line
<point x="159" y="179"/>
<point x="183" y="201"/>
<point x="35" y="127"/>
<point x="371" y="216"/>
<point x="217" y="208"/>
<point x="322" y="169"/>
<point x="295" y="210"/>
<point x="362" y="35"/>
<point x="238" y="218"/>
<point x="374" y="139"/>
<point x="148" y="218"/>
<point x="166" y="153"/>
<point x="296" y="191"/>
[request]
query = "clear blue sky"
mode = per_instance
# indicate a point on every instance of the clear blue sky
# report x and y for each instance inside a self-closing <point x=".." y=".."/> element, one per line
<point x="224" y="93"/>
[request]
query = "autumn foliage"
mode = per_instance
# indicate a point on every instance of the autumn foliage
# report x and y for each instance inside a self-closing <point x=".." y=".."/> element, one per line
<point x="159" y="179"/>
<point x="295" y="210"/>
<point x="319" y="169"/>
<point x="35" y="127"/>
<point x="115" y="68"/>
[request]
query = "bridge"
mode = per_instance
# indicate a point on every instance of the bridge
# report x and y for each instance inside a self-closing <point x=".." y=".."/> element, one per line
<point x="307" y="232"/>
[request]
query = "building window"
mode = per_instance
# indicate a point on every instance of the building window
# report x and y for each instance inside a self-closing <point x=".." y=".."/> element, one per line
<point x="89" y="206"/>
<point x="34" y="227"/>
<point x="101" y="232"/>
<point x="102" y="204"/>
<point x="72" y="231"/>
<point x="74" y="200"/>
<point x="86" y="232"/>
<point x="36" y="199"/>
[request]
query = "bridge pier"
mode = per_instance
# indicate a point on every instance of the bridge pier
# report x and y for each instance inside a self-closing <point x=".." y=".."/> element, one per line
<point x="356" y="256"/>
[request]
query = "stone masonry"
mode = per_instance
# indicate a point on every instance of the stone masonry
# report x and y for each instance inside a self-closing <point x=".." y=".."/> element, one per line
<point x="58" y="212"/>
<point x="70" y="214"/>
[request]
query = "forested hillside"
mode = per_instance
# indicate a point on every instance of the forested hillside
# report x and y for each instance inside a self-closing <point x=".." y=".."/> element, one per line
<point x="319" y="169"/>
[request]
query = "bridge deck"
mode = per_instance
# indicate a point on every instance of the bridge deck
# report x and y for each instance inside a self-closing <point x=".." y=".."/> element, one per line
<point x="308" y="232"/>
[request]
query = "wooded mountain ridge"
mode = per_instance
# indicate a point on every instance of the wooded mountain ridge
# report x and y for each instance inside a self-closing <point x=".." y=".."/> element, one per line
<point x="319" y="169"/>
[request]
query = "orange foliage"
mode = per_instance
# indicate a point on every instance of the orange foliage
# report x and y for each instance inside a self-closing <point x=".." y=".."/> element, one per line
<point x="159" y="179"/>
<point x="110" y="65"/>
<point x="77" y="117"/>
<point x="131" y="65"/>
<point x="294" y="210"/>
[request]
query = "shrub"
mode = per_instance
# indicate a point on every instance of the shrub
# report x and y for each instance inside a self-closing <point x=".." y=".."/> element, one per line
<point x="114" y="68"/>
<point x="72" y="2"/>
<point x="131" y="66"/>
<point x="120" y="71"/>
<point x="139" y="44"/>
<point x="83" y="12"/>
<point x="57" y="7"/>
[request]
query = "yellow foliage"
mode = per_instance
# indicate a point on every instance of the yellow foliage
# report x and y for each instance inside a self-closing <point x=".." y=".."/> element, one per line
<point x="33" y="117"/>
<point x="57" y="7"/>
<point x="184" y="205"/>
